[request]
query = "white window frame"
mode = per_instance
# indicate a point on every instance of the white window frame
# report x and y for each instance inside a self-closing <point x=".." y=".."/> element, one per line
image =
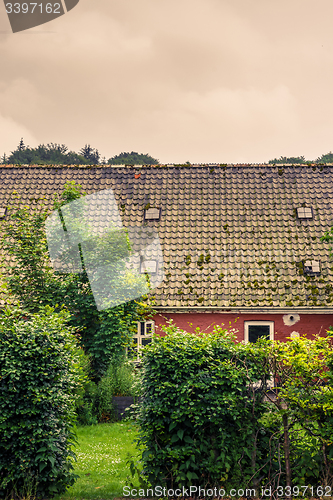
<point x="138" y="336"/>
<point x="304" y="213"/>
<point x="270" y="381"/>
<point x="314" y="265"/>
<point x="155" y="213"/>
<point x="258" y="323"/>
<point x="148" y="266"/>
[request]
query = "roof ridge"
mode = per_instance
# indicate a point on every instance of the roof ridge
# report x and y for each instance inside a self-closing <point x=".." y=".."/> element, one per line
<point x="171" y="165"/>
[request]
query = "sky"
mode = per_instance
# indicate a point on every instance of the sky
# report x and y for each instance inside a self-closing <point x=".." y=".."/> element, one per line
<point x="204" y="81"/>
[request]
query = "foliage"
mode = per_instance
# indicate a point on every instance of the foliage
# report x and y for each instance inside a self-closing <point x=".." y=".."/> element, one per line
<point x="39" y="374"/>
<point x="326" y="158"/>
<point x="328" y="237"/>
<point x="299" y="434"/>
<point x="31" y="279"/>
<point x="50" y="154"/>
<point x="86" y="394"/>
<point x="121" y="378"/>
<point x="133" y="158"/>
<point x="90" y="154"/>
<point x="58" y="154"/>
<point x="204" y="420"/>
<point x="200" y="412"/>
<point x="302" y="369"/>
<point x="30" y="276"/>
<point x="294" y="160"/>
<point x="96" y="404"/>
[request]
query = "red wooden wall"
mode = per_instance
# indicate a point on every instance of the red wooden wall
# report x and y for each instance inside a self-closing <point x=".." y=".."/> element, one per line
<point x="307" y="324"/>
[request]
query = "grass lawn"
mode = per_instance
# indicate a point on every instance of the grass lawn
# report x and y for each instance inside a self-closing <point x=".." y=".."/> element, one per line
<point x="101" y="461"/>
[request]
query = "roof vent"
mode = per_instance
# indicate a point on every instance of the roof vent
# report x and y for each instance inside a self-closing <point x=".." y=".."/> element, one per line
<point x="3" y="211"/>
<point x="304" y="213"/>
<point x="148" y="266"/>
<point x="152" y="213"/>
<point x="312" y="267"/>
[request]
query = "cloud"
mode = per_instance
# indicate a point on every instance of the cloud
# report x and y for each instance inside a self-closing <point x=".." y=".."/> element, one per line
<point x="197" y="80"/>
<point x="11" y="132"/>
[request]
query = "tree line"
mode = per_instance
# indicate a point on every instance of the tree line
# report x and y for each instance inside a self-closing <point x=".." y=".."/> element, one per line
<point x="58" y="154"/>
<point x="301" y="160"/>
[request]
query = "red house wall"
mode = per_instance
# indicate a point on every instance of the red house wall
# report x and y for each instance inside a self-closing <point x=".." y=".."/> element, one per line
<point x="308" y="324"/>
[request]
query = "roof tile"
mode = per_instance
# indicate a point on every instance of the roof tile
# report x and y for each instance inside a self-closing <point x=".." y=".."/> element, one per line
<point x="243" y="216"/>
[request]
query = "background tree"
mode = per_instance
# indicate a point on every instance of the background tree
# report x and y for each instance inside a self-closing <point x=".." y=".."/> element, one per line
<point x="58" y="154"/>
<point x="21" y="145"/>
<point x="50" y="154"/>
<point x="327" y="158"/>
<point x="90" y="154"/>
<point x="294" y="160"/>
<point x="31" y="279"/>
<point x="133" y="158"/>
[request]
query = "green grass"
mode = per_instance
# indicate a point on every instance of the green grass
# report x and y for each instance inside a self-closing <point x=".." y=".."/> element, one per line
<point x="101" y="461"/>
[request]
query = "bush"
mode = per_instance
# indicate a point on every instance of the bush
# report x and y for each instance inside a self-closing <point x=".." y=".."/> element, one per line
<point x="205" y="422"/>
<point x="200" y="410"/>
<point x="121" y="379"/>
<point x="87" y="394"/>
<point x="96" y="403"/>
<point x="39" y="374"/>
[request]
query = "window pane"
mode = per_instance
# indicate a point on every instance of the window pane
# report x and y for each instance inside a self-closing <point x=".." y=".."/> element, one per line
<point x="148" y="328"/>
<point x="152" y="213"/>
<point x="142" y="328"/>
<point x="257" y="331"/>
<point x="145" y="341"/>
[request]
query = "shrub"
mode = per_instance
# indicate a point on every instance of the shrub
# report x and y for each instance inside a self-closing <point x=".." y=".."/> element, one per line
<point x="39" y="374"/>
<point x="200" y="410"/>
<point x="121" y="379"/>
<point x="85" y="404"/>
<point x="204" y="421"/>
<point x="96" y="403"/>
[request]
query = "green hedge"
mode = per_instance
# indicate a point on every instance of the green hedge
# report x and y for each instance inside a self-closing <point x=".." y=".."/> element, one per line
<point x="208" y="419"/>
<point x="39" y="375"/>
<point x="199" y="417"/>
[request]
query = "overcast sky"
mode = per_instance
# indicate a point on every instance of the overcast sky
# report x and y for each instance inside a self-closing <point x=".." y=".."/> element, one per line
<point x="183" y="80"/>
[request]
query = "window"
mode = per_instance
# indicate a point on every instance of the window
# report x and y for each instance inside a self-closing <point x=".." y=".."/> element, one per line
<point x="142" y="338"/>
<point x="148" y="266"/>
<point x="304" y="213"/>
<point x="253" y="330"/>
<point x="311" y="267"/>
<point x="152" y="214"/>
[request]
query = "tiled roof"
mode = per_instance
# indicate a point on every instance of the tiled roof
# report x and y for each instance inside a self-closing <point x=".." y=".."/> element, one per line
<point x="230" y="234"/>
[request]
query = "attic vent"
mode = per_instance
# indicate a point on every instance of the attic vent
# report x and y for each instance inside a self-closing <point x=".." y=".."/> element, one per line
<point x="312" y="267"/>
<point x="3" y="211"/>
<point x="148" y="266"/>
<point x="304" y="213"/>
<point x="152" y="213"/>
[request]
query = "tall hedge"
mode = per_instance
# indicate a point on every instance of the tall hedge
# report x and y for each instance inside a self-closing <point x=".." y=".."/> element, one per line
<point x="209" y="418"/>
<point x="39" y="375"/>
<point x="199" y="417"/>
